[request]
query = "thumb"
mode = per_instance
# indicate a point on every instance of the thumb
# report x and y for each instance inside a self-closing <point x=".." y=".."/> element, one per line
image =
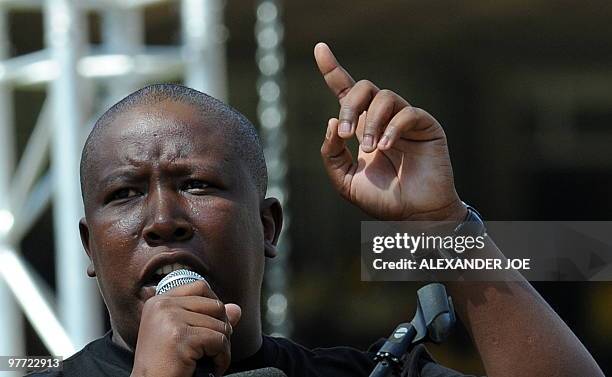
<point x="233" y="313"/>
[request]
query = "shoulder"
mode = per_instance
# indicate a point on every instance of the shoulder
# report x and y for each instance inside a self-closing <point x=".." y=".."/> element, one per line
<point x="67" y="365"/>
<point x="95" y="359"/>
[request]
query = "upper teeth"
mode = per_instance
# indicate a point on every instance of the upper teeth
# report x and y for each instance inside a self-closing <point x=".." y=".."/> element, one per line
<point x="165" y="270"/>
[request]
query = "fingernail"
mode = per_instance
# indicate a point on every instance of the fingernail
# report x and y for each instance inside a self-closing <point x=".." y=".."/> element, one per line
<point x="368" y="140"/>
<point x="328" y="134"/>
<point x="345" y="127"/>
<point x="384" y="141"/>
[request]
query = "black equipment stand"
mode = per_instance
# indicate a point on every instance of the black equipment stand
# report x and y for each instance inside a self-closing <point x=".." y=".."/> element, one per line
<point x="433" y="320"/>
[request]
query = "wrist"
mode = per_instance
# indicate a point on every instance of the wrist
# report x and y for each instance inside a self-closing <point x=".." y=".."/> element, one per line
<point x="454" y="213"/>
<point x="458" y="213"/>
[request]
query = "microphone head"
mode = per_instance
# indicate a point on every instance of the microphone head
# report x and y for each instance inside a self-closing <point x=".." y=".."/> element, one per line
<point x="264" y="372"/>
<point x="176" y="279"/>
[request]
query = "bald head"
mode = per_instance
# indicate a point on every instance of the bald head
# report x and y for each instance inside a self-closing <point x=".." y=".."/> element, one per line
<point x="237" y="132"/>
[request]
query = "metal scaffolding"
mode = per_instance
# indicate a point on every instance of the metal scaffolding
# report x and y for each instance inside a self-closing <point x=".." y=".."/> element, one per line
<point x="271" y="114"/>
<point x="69" y="70"/>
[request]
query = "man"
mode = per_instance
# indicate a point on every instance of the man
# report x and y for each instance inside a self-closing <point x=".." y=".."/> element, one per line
<point x="172" y="178"/>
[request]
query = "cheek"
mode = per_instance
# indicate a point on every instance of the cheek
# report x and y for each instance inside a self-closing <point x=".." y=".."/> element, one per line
<point x="117" y="267"/>
<point x="228" y="222"/>
<point x="235" y="234"/>
<point x="115" y="239"/>
<point x="119" y="233"/>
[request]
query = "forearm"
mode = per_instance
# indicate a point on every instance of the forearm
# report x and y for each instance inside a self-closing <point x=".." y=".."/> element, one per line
<point x="515" y="331"/>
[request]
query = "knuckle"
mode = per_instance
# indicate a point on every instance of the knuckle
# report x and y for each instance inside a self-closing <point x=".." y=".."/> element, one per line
<point x="386" y="93"/>
<point x="365" y="83"/>
<point x="346" y="111"/>
<point x="371" y="124"/>
<point x="159" y="303"/>
<point x="390" y="130"/>
<point x="201" y="286"/>
<point x="411" y="112"/>
<point x="171" y="317"/>
<point x="150" y="304"/>
<point x="417" y="111"/>
<point x="190" y="353"/>
<point x="190" y="350"/>
<point x="224" y="341"/>
<point x="218" y="309"/>
<point x="179" y="333"/>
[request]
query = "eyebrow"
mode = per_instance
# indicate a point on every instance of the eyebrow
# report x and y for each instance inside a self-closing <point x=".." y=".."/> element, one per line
<point x="175" y="168"/>
<point x="120" y="174"/>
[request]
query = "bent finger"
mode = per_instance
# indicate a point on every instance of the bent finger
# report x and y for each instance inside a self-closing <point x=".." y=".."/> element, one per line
<point x="355" y="103"/>
<point x="204" y="321"/>
<point x="410" y="123"/>
<point x="337" y="159"/>
<point x="212" y="344"/>
<point x="197" y="288"/>
<point x="203" y="305"/>
<point x="382" y="109"/>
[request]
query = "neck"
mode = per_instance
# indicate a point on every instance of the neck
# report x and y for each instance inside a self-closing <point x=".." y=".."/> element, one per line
<point x="118" y="340"/>
<point x="246" y="339"/>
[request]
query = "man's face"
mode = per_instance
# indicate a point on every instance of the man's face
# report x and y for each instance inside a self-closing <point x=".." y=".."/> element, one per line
<point x="166" y="187"/>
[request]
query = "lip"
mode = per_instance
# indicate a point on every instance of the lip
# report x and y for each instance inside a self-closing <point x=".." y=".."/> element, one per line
<point x="169" y="257"/>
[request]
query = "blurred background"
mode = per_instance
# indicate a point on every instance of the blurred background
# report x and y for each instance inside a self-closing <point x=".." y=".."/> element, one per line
<point x="522" y="88"/>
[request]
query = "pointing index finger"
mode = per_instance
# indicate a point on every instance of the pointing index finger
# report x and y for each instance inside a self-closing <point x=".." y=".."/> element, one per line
<point x="337" y="78"/>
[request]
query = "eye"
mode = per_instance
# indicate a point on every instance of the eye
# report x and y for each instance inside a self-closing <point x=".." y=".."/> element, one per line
<point x="196" y="187"/>
<point x="121" y="194"/>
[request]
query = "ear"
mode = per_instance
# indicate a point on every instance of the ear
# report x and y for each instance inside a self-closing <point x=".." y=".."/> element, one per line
<point x="272" y="221"/>
<point x="84" y="231"/>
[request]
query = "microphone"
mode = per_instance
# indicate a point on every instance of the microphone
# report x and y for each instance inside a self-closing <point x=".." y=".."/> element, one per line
<point x="265" y="372"/>
<point x="433" y="320"/>
<point x="176" y="279"/>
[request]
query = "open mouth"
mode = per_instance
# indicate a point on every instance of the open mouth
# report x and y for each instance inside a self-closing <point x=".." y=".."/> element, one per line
<point x="164" y="270"/>
<point x="165" y="262"/>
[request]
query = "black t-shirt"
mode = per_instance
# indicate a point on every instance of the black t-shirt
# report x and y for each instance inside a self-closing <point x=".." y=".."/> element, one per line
<point x="103" y="358"/>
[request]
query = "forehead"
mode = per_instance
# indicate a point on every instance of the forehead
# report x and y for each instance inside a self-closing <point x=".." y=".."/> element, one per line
<point x="165" y="131"/>
<point x="171" y="126"/>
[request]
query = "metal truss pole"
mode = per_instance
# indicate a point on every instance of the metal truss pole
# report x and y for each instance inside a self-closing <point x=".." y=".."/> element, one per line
<point x="204" y="46"/>
<point x="11" y="319"/>
<point x="123" y="33"/>
<point x="78" y="299"/>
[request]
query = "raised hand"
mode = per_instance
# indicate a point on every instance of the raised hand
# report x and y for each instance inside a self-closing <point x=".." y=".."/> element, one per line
<point x="403" y="169"/>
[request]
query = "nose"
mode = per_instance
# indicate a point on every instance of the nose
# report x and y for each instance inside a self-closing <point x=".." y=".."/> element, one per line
<point x="167" y="222"/>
